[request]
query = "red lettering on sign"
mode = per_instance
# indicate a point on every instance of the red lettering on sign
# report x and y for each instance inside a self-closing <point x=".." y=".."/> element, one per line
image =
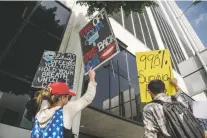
<point x="90" y="54"/>
<point x="85" y="29"/>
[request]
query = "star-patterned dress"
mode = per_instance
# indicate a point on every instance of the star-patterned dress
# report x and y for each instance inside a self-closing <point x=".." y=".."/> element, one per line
<point x="54" y="129"/>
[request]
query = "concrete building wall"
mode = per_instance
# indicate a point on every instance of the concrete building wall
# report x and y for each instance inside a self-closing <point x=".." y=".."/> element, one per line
<point x="13" y="132"/>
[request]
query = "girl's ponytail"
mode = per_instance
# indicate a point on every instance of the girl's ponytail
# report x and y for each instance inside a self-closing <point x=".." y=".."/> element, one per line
<point x="41" y="95"/>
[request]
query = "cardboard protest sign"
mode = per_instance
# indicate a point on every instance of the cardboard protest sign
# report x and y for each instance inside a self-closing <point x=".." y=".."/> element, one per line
<point x="98" y="41"/>
<point x="154" y="65"/>
<point x="55" y="67"/>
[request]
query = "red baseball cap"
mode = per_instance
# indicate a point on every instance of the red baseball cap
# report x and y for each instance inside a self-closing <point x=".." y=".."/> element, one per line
<point x="58" y="88"/>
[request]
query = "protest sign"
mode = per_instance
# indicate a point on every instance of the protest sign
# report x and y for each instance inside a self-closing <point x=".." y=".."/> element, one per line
<point x="154" y="65"/>
<point x="55" y="67"/>
<point x="98" y="41"/>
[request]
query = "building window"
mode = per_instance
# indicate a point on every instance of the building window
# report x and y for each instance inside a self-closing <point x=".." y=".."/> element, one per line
<point x="118" y="17"/>
<point x="128" y="24"/>
<point x="117" y="87"/>
<point x="137" y="25"/>
<point x="155" y="45"/>
<point x="51" y="17"/>
<point x="166" y="38"/>
<point x="186" y="47"/>
<point x="28" y="28"/>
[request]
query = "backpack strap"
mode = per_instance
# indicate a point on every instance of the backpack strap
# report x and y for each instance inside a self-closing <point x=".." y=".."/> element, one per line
<point x="173" y="98"/>
<point x="158" y="102"/>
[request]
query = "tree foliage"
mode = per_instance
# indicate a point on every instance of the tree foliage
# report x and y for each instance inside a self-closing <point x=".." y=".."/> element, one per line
<point x="113" y="7"/>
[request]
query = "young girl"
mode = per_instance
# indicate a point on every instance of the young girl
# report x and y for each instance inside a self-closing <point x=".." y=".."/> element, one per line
<point x="54" y="119"/>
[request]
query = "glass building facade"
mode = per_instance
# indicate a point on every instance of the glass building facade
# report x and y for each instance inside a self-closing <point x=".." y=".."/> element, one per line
<point x="140" y="26"/>
<point x="117" y="90"/>
<point x="27" y="29"/>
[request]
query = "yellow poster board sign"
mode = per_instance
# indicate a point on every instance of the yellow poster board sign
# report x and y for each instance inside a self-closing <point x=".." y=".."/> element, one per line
<point x="154" y="65"/>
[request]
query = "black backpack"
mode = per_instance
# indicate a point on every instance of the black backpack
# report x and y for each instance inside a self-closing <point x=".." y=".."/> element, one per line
<point x="181" y="123"/>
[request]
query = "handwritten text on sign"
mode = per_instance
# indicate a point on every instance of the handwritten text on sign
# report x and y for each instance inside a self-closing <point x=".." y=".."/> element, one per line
<point x="154" y="65"/>
<point x="55" y="67"/>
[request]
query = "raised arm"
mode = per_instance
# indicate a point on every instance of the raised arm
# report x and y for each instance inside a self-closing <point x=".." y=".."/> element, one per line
<point x="179" y="94"/>
<point x="74" y="107"/>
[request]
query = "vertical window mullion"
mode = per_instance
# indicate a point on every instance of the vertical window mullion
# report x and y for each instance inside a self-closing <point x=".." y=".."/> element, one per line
<point x="142" y="29"/>
<point x="109" y="90"/>
<point x="149" y="32"/>
<point x="122" y="17"/>
<point x="133" y="25"/>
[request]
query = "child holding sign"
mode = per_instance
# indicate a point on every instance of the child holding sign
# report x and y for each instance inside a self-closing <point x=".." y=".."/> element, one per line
<point x="55" y="115"/>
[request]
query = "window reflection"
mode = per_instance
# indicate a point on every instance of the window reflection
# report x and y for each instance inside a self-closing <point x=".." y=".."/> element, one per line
<point x="127" y="109"/>
<point x="12" y="108"/>
<point x="52" y="17"/>
<point x="115" y="110"/>
<point x="22" y="50"/>
<point x="117" y="92"/>
<point x="134" y="108"/>
<point x="133" y="75"/>
<point x="145" y="32"/>
<point x="117" y="17"/>
<point x="154" y="41"/>
<point x="102" y="78"/>
<point x="128" y="24"/>
<point x="13" y="100"/>
<point x="118" y="64"/>
<point x="137" y="25"/>
<point x="11" y="20"/>
<point x="124" y="84"/>
<point x="114" y="85"/>
<point x="25" y="63"/>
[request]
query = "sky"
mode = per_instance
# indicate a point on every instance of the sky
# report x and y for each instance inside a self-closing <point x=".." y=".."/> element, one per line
<point x="197" y="16"/>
